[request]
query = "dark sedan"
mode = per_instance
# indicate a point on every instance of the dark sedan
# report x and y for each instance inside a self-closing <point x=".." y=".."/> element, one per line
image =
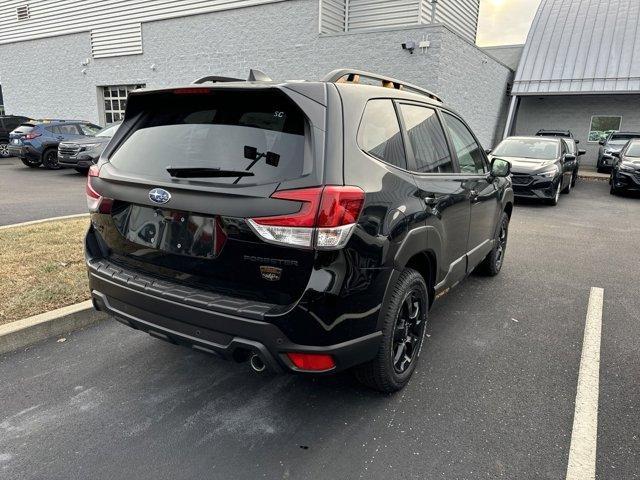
<point x="613" y="145"/>
<point x="625" y="174"/>
<point x="82" y="153"/>
<point x="542" y="167"/>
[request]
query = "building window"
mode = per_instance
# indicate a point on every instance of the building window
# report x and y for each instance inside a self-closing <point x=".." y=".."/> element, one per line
<point x="115" y="101"/>
<point x="602" y="126"/>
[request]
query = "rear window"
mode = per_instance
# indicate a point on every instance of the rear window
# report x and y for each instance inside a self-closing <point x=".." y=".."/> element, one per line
<point x="25" y="128"/>
<point x="259" y="132"/>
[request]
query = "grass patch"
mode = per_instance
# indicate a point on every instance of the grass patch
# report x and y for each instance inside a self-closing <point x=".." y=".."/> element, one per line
<point x="42" y="268"/>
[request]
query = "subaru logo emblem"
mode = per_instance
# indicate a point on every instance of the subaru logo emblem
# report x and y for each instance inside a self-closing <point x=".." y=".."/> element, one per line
<point x="159" y="195"/>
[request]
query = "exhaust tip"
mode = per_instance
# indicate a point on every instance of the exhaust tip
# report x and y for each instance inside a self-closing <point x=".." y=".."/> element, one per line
<point x="257" y="364"/>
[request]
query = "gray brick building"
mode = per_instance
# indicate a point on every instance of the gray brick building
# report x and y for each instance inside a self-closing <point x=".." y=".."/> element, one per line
<point x="580" y="70"/>
<point x="68" y="61"/>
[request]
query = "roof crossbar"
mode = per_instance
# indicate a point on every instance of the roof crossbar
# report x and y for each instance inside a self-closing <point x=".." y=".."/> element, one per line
<point x="348" y="75"/>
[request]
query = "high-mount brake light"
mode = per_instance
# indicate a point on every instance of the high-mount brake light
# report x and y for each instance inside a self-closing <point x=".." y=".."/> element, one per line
<point x="95" y="201"/>
<point x="325" y="221"/>
<point x="192" y="91"/>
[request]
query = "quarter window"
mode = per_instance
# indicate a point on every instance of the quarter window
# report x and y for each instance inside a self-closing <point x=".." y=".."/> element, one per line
<point x="470" y="155"/>
<point x="379" y="134"/>
<point x="427" y="139"/>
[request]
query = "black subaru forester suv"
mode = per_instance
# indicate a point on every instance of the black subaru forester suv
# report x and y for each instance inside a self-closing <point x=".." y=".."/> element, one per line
<point x="306" y="226"/>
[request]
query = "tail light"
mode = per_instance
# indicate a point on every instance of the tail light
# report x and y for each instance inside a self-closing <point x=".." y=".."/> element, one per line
<point x="312" y="362"/>
<point x="95" y="201"/>
<point x="32" y="135"/>
<point x="326" y="218"/>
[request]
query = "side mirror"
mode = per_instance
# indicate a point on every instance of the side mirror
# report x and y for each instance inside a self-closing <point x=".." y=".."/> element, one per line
<point x="602" y="142"/>
<point x="616" y="154"/>
<point x="569" y="157"/>
<point x="577" y="141"/>
<point x="488" y="151"/>
<point x="582" y="152"/>
<point x="500" y="168"/>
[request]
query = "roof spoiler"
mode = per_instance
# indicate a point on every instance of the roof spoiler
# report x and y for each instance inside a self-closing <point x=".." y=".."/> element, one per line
<point x="347" y="75"/>
<point x="254" y="76"/>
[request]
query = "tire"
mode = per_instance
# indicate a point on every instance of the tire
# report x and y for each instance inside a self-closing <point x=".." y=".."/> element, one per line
<point x="556" y="198"/>
<point x="574" y="179"/>
<point x="567" y="189"/>
<point x="31" y="163"/>
<point x="81" y="170"/>
<point x="612" y="190"/>
<point x="4" y="149"/>
<point x="492" y="264"/>
<point x="50" y="159"/>
<point x="402" y="336"/>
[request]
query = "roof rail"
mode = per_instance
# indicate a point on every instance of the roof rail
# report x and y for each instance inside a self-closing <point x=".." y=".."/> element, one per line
<point x="353" y="76"/>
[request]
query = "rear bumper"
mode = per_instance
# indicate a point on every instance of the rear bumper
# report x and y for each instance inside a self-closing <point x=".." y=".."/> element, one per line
<point x="230" y="334"/>
<point x="24" y="151"/>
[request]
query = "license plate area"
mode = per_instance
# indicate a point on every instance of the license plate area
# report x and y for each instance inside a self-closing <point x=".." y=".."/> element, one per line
<point x="171" y="231"/>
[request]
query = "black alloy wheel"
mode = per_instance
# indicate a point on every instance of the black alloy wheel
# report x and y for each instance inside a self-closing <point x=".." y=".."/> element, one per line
<point x="408" y="331"/>
<point x="50" y="160"/>
<point x="493" y="262"/>
<point x="403" y="332"/>
<point x="4" y="149"/>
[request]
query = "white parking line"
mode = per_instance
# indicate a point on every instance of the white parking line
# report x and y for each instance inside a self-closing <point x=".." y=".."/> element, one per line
<point x="582" y="453"/>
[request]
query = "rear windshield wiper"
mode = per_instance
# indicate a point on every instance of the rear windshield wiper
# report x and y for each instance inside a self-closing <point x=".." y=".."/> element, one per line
<point x="205" y="172"/>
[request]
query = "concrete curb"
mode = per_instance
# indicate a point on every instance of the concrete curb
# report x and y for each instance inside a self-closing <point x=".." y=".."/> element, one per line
<point x="44" y="220"/>
<point x="25" y="332"/>
<point x="593" y="178"/>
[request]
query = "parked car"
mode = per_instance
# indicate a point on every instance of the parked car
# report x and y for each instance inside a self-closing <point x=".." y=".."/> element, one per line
<point x="625" y="174"/>
<point x="36" y="143"/>
<point x="542" y="167"/>
<point x="82" y="153"/>
<point x="7" y="124"/>
<point x="572" y="148"/>
<point x="614" y="143"/>
<point x="305" y="226"/>
<point x="556" y="133"/>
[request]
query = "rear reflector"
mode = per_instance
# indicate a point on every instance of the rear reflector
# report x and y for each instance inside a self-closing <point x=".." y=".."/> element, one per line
<point x="96" y="202"/>
<point x="312" y="362"/>
<point x="326" y="218"/>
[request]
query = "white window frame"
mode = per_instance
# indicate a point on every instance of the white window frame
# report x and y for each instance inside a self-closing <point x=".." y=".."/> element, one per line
<point x="112" y="101"/>
<point x="591" y="125"/>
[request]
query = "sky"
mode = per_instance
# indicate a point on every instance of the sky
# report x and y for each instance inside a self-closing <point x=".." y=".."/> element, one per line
<point x="505" y="22"/>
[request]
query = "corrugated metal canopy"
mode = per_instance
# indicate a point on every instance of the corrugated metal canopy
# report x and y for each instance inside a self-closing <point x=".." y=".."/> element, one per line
<point x="582" y="46"/>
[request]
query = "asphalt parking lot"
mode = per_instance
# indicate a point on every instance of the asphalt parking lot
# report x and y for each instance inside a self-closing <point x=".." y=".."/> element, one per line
<point x="493" y="397"/>
<point x="57" y="192"/>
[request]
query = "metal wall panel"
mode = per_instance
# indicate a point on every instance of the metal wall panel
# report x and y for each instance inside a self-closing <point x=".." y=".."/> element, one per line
<point x="459" y="15"/>
<point x="48" y="18"/>
<point x="582" y="46"/>
<point x="333" y="16"/>
<point x="369" y="14"/>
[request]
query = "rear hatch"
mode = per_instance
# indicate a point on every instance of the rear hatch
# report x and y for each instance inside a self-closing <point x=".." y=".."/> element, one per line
<point x="17" y="136"/>
<point x="189" y="167"/>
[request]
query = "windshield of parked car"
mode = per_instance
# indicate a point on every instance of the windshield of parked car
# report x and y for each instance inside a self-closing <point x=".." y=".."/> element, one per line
<point x="621" y="138"/>
<point x="633" y="150"/>
<point x="261" y="132"/>
<point x="110" y="131"/>
<point x="536" y="148"/>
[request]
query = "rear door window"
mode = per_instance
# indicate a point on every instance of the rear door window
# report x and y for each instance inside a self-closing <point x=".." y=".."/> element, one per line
<point x="427" y="139"/>
<point x="379" y="133"/>
<point x="262" y="133"/>
<point x="470" y="155"/>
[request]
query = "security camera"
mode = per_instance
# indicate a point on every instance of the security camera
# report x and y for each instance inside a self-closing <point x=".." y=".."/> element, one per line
<point x="411" y="46"/>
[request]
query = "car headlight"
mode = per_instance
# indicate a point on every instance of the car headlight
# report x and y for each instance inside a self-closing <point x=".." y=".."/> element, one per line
<point x="549" y="173"/>
<point x="90" y="146"/>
